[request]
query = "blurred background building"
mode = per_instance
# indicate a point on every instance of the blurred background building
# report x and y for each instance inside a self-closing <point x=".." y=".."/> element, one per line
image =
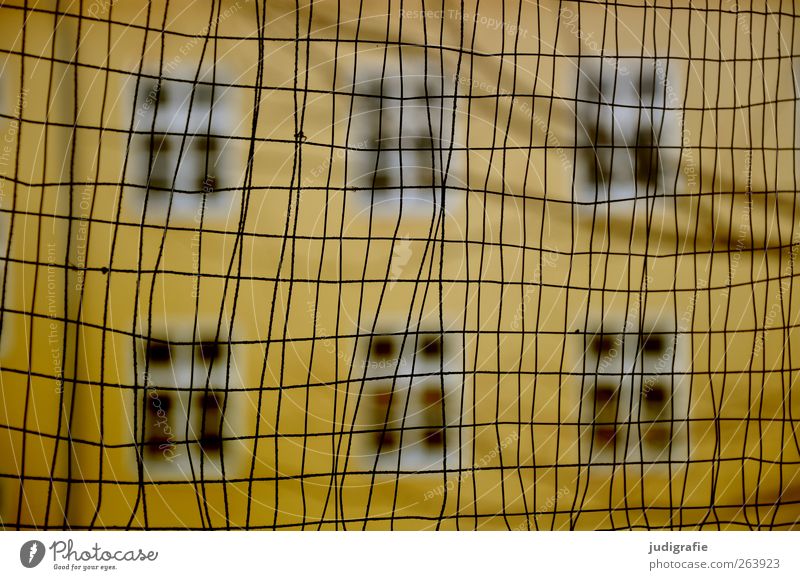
<point x="518" y="265"/>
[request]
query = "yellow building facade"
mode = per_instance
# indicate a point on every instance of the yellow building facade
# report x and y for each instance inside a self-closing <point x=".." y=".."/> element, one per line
<point x="334" y="267"/>
<point x="34" y="202"/>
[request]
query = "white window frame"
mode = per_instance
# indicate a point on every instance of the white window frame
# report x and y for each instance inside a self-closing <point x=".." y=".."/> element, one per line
<point x="183" y="380"/>
<point x="421" y="387"/>
<point x="400" y="133"/>
<point x="636" y="392"/>
<point x="622" y="102"/>
<point x="163" y="126"/>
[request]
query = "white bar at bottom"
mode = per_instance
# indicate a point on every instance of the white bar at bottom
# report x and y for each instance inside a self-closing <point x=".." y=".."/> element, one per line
<point x="415" y="555"/>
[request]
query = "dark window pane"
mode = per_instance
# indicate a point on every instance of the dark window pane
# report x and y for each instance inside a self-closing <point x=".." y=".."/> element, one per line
<point x="158" y="352"/>
<point x="382" y="404"/>
<point x="383" y="348"/>
<point x="208" y="352"/>
<point x="211" y="421"/>
<point x="653" y="344"/>
<point x="431" y="347"/>
<point x="605" y="436"/>
<point x="159" y="432"/>
<point x="646" y="162"/>
<point x="603" y="345"/>
<point x="161" y="169"/>
<point x="433" y="432"/>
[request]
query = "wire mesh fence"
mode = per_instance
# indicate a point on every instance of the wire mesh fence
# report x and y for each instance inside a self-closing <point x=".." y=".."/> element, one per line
<point x="403" y="265"/>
